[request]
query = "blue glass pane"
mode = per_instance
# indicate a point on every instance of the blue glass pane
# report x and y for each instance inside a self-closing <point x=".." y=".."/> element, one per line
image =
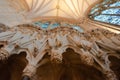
<point x="115" y="4"/>
<point x="45" y="25"/>
<point x="78" y="28"/>
<point x="112" y="11"/>
<point x="54" y="25"/>
<point x="42" y="25"/>
<point x="108" y="19"/>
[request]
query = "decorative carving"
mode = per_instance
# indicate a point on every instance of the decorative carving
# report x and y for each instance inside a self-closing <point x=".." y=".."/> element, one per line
<point x="93" y="46"/>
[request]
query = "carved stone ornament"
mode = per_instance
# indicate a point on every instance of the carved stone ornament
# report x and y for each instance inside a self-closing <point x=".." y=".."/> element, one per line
<point x="93" y="48"/>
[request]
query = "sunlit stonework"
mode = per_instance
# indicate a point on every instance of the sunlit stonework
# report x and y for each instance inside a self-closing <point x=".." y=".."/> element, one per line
<point x="58" y="40"/>
<point x="93" y="47"/>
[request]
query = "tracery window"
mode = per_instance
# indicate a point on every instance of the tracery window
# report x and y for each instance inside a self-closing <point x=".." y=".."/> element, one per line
<point x="108" y="12"/>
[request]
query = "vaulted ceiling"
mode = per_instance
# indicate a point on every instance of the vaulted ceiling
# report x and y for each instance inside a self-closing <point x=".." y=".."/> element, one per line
<point x="59" y="8"/>
<point x="22" y="11"/>
<point x="15" y="12"/>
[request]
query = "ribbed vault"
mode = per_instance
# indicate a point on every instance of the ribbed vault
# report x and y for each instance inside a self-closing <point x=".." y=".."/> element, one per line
<point x="75" y="12"/>
<point x="74" y="9"/>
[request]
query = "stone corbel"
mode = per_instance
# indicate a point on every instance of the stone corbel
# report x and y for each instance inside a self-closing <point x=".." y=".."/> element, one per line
<point x="56" y="53"/>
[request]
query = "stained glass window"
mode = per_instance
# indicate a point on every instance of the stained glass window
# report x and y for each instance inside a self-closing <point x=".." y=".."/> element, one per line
<point x="48" y="25"/>
<point x="108" y="11"/>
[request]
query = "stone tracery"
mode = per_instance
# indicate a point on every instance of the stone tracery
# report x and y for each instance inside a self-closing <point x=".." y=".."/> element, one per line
<point x="93" y="46"/>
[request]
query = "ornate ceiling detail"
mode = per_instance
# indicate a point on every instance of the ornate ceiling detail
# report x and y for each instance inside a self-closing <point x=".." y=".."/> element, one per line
<point x="68" y="19"/>
<point x="93" y="47"/>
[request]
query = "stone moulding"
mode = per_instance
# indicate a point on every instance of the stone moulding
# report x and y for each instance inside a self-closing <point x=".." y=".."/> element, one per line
<point x="94" y="46"/>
